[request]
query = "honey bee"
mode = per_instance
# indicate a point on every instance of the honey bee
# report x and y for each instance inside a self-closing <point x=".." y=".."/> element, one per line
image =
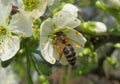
<point x="64" y="47"/>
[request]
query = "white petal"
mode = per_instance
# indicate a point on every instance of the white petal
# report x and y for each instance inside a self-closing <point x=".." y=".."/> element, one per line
<point x="20" y="5"/>
<point x="50" y="2"/>
<point x="66" y="19"/>
<point x="36" y="13"/>
<point x="71" y="9"/>
<point x="21" y="24"/>
<point x="9" y="48"/>
<point x="5" y="9"/>
<point x="77" y="39"/>
<point x="16" y="3"/>
<point x="46" y="27"/>
<point x="100" y="27"/>
<point x="47" y="53"/>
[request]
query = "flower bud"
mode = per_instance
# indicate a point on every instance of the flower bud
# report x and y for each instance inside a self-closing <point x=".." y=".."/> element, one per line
<point x="114" y="3"/>
<point x="100" y="27"/>
<point x="93" y="27"/>
<point x="101" y="5"/>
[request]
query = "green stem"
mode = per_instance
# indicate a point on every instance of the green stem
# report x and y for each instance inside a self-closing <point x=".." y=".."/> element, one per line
<point x="33" y="61"/>
<point x="29" y="81"/>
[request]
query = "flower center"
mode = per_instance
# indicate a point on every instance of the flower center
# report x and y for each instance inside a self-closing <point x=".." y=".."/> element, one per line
<point x="31" y="4"/>
<point x="4" y="32"/>
<point x="56" y="30"/>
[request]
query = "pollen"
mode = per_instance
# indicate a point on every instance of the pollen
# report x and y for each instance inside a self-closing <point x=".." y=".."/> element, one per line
<point x="77" y="46"/>
<point x="77" y="33"/>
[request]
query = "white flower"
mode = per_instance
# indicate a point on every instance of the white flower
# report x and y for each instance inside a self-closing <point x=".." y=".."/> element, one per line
<point x="100" y="27"/>
<point x="34" y="8"/>
<point x="71" y="9"/>
<point x="62" y="21"/>
<point x="9" y="29"/>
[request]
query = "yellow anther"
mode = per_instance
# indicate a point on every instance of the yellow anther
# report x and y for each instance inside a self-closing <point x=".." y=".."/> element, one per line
<point x="3" y="50"/>
<point x="11" y="38"/>
<point x="43" y="43"/>
<point x="0" y="29"/>
<point x="60" y="15"/>
<point x="51" y="40"/>
<point x="77" y="46"/>
<point x="52" y="60"/>
<point x="77" y="33"/>
<point x="11" y="3"/>
<point x="56" y="15"/>
<point x="24" y="34"/>
<point x="7" y="17"/>
<point x="75" y="20"/>
<point x="8" y="43"/>
<point x="18" y="19"/>
<point x="44" y="0"/>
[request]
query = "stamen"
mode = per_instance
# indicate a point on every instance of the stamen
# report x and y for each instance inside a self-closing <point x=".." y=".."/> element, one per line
<point x="52" y="60"/>
<point x="43" y="43"/>
<point x="24" y="34"/>
<point x="75" y="20"/>
<point x="7" y="17"/>
<point x="8" y="43"/>
<point x="51" y="40"/>
<point x="77" y="46"/>
<point x="11" y="3"/>
<point x="56" y="15"/>
<point x="44" y="0"/>
<point x="3" y="50"/>
<point x="11" y="38"/>
<point x="18" y="19"/>
<point x="60" y="15"/>
<point x="32" y="4"/>
<point x="77" y="33"/>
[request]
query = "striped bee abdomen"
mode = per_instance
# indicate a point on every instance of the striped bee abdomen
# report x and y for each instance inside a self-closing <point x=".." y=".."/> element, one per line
<point x="69" y="53"/>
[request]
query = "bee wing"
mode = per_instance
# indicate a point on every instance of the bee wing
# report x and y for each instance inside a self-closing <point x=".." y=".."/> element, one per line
<point x="77" y="40"/>
<point x="63" y="60"/>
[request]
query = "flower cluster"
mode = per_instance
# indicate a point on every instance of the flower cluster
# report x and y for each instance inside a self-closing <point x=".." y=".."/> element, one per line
<point x="11" y="29"/>
<point x="64" y="21"/>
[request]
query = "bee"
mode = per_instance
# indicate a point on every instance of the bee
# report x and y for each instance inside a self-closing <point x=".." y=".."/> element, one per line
<point x="64" y="47"/>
